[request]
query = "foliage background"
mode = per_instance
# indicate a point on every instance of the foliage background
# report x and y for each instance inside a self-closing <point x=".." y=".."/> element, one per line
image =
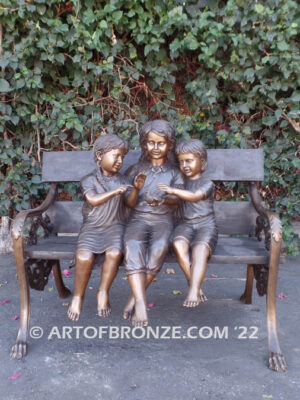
<point x="227" y="72"/>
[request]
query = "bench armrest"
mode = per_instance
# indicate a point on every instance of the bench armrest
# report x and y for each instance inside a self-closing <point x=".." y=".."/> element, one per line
<point x="268" y="221"/>
<point x="19" y="221"/>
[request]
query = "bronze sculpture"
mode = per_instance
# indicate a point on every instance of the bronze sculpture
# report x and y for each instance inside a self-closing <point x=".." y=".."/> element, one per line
<point x="197" y="231"/>
<point x="233" y="218"/>
<point x="158" y="186"/>
<point x="146" y="239"/>
<point x="104" y="213"/>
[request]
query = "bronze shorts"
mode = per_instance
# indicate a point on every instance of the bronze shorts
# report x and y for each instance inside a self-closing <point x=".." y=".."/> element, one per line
<point x="204" y="230"/>
<point x="146" y="242"/>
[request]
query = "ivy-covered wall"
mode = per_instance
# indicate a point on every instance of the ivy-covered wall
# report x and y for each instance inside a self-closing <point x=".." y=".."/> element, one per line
<point x="227" y="72"/>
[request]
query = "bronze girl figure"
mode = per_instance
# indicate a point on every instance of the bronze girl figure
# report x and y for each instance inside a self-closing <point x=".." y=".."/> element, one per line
<point x="147" y="234"/>
<point x="104" y="193"/>
<point x="197" y="232"/>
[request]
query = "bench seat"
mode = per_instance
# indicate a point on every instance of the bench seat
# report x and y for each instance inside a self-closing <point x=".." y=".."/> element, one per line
<point x="229" y="250"/>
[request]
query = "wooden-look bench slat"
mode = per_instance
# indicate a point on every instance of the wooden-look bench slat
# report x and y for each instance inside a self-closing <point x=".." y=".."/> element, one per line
<point x="241" y="250"/>
<point x="223" y="165"/>
<point x="232" y="217"/>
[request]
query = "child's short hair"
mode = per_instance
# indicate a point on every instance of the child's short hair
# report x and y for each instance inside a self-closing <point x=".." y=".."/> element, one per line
<point x="106" y="143"/>
<point x="196" y="147"/>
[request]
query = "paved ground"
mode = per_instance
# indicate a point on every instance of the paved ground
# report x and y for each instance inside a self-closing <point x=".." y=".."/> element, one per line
<point x="145" y="369"/>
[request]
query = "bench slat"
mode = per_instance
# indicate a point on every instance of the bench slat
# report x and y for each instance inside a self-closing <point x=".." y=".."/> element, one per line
<point x="244" y="250"/>
<point x="232" y="217"/>
<point x="223" y="165"/>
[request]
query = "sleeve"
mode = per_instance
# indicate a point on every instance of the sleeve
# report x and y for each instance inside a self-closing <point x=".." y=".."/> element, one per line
<point x="208" y="188"/>
<point x="87" y="184"/>
<point x="177" y="180"/>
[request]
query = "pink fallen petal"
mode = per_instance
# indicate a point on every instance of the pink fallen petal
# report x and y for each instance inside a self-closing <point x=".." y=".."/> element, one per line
<point x="282" y="296"/>
<point x="214" y="275"/>
<point x="4" y="302"/>
<point x="150" y="305"/>
<point x="67" y="272"/>
<point x="15" y="318"/>
<point x="15" y="376"/>
<point x="51" y="271"/>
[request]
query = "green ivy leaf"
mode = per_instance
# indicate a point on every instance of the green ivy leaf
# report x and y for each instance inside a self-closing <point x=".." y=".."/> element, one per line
<point x="259" y="8"/>
<point x="147" y="49"/>
<point x="117" y="15"/>
<point x="244" y="108"/>
<point x="103" y="24"/>
<point x="4" y="86"/>
<point x="36" y="179"/>
<point x="282" y="45"/>
<point x="192" y="43"/>
<point x="60" y="58"/>
<point x="4" y="62"/>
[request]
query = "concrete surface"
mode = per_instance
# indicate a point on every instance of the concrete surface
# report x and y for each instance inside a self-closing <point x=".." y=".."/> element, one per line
<point x="133" y="368"/>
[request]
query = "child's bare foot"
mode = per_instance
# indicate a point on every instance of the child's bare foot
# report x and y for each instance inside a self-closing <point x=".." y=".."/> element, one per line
<point x="191" y="301"/>
<point x="202" y="296"/>
<point x="140" y="317"/>
<point x="75" y="308"/>
<point x="193" y="298"/>
<point x="129" y="309"/>
<point x="103" y="305"/>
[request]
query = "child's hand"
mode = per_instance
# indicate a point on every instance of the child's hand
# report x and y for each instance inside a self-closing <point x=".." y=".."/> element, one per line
<point x="154" y="198"/>
<point x="139" y="181"/>
<point x="122" y="189"/>
<point x="166" y="188"/>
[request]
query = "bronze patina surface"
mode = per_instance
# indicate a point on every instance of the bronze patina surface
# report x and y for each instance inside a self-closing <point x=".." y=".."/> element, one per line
<point x="147" y="235"/>
<point x="196" y="233"/>
<point x="103" y="221"/>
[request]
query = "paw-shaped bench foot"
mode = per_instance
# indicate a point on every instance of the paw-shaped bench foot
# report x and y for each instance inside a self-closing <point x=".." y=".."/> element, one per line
<point x="277" y="362"/>
<point x="19" y="350"/>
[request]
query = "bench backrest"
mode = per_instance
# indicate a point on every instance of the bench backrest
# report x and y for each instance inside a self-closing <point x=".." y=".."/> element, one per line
<point x="223" y="165"/>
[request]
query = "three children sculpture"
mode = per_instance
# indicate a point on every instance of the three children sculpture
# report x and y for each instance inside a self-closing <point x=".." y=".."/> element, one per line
<point x="154" y="189"/>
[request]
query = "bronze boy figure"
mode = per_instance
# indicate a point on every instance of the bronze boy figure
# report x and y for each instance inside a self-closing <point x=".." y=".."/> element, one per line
<point x="147" y="234"/>
<point x="103" y="221"/>
<point x="197" y="231"/>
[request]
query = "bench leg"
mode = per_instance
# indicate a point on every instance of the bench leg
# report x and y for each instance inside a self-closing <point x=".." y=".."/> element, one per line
<point x="276" y="358"/>
<point x="19" y="349"/>
<point x="246" y="297"/>
<point x="63" y="291"/>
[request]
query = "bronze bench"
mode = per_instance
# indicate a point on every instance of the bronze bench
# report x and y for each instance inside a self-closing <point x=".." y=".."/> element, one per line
<point x="240" y="224"/>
